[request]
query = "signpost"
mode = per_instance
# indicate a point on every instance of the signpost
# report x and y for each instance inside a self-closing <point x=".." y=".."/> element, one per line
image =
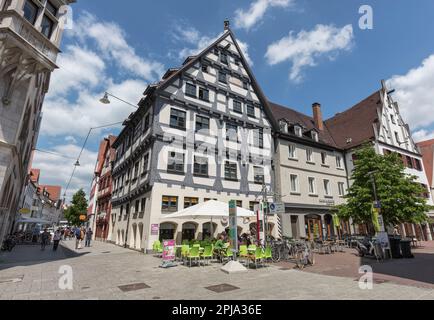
<point x="233" y="266"/>
<point x="277" y="208"/>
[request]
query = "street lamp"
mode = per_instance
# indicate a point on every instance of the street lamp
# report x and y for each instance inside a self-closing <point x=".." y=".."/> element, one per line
<point x="105" y="100"/>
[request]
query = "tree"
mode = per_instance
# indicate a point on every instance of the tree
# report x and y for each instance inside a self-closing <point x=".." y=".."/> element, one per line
<point x="78" y="207"/>
<point x="398" y="192"/>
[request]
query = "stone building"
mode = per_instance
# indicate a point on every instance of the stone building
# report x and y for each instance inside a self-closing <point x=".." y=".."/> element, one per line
<point x="203" y="132"/>
<point x="30" y="35"/>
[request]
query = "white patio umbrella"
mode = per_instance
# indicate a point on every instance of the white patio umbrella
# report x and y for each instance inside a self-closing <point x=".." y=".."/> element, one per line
<point x="209" y="210"/>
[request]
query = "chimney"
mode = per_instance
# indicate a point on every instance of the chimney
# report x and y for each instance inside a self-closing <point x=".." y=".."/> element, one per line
<point x="317" y="116"/>
<point x="227" y="25"/>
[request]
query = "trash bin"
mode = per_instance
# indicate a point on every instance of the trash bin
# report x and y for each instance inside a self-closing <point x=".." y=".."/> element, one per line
<point x="395" y="247"/>
<point x="406" y="249"/>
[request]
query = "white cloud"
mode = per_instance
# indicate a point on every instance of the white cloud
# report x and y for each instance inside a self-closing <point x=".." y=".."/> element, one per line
<point x="70" y="139"/>
<point x="201" y="42"/>
<point x="55" y="171"/>
<point x="246" y="19"/>
<point x="415" y="95"/>
<point x="303" y="49"/>
<point x="111" y="41"/>
<point x="423" y="135"/>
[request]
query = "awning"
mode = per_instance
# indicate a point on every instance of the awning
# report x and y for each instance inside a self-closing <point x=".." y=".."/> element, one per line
<point x="33" y="220"/>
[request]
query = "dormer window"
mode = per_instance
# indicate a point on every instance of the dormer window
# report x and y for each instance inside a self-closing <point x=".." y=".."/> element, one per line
<point x="30" y="11"/>
<point x="298" y="131"/>
<point x="315" y="136"/>
<point x="283" y="126"/>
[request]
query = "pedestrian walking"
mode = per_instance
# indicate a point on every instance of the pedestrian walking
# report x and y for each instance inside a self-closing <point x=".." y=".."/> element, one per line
<point x="82" y="236"/>
<point x="89" y="234"/>
<point x="77" y="233"/>
<point x="45" y="238"/>
<point x="56" y="239"/>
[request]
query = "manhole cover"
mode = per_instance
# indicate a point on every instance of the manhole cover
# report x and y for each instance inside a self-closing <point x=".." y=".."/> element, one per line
<point x="134" y="287"/>
<point x="222" y="288"/>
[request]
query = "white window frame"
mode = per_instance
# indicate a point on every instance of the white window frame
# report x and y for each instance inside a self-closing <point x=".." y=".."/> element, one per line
<point x="298" y="131"/>
<point x="297" y="183"/>
<point x="314" y="193"/>
<point x="327" y="189"/>
<point x="339" y="162"/>
<point x="292" y="151"/>
<point x="311" y="158"/>
<point x="341" y="188"/>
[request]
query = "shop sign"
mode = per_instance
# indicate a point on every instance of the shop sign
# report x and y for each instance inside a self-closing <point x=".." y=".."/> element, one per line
<point x="155" y="228"/>
<point x="169" y="250"/>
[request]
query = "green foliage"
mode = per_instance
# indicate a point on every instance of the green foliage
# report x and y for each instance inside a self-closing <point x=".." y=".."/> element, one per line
<point x="78" y="207"/>
<point x="399" y="193"/>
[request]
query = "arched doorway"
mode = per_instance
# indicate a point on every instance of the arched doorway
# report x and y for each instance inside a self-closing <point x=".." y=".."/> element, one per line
<point x="329" y="226"/>
<point x="167" y="231"/>
<point x="206" y="230"/>
<point x="134" y="228"/>
<point x="313" y="225"/>
<point x="189" y="231"/>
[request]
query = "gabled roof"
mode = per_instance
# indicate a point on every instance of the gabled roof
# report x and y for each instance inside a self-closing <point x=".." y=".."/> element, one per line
<point x="427" y="150"/>
<point x="192" y="60"/>
<point x="355" y="123"/>
<point x="54" y="191"/>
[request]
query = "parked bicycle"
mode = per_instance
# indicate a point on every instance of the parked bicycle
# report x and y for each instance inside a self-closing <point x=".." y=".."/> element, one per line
<point x="282" y="250"/>
<point x="9" y="243"/>
<point x="304" y="255"/>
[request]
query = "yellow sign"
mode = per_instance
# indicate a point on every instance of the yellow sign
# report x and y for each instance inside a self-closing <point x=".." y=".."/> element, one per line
<point x="25" y="211"/>
<point x="83" y="218"/>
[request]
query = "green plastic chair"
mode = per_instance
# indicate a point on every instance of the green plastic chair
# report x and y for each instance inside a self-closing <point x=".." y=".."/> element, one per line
<point x="185" y="249"/>
<point x="244" y="253"/>
<point x="228" y="254"/>
<point x="194" y="254"/>
<point x="258" y="256"/>
<point x="157" y="247"/>
<point x="268" y="257"/>
<point x="207" y="254"/>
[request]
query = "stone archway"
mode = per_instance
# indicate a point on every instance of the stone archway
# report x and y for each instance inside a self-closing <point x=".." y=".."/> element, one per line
<point x="189" y="230"/>
<point x="168" y="231"/>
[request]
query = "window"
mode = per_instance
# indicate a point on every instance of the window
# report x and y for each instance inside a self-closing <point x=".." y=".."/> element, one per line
<point x="309" y="155"/>
<point x="341" y="188"/>
<point x="392" y="118"/>
<point x="251" y="111"/>
<point x="315" y="136"/>
<point x="177" y="119"/>
<point x="30" y="11"/>
<point x="190" y="90"/>
<point x="205" y="68"/>
<point x="245" y="85"/>
<point x="339" y="162"/>
<point x="137" y="206"/>
<point x="237" y="61"/>
<point x="397" y="138"/>
<point x="203" y="94"/>
<point x="143" y="205"/>
<point x="202" y="124"/>
<point x="252" y="205"/>
<point x="216" y="51"/>
<point x="298" y="131"/>
<point x="237" y="107"/>
<point x="417" y="165"/>
<point x="258" y="138"/>
<point x="47" y="26"/>
<point x="292" y="151"/>
<point x="323" y="158"/>
<point x="51" y="8"/>
<point x="409" y="162"/>
<point x="224" y="58"/>
<point x="231" y="171"/>
<point x="222" y="77"/>
<point x="312" y="186"/>
<point x="145" y="163"/>
<point x="258" y="173"/>
<point x="175" y="162"/>
<point x="146" y="125"/>
<point x="136" y="170"/>
<point x="208" y="199"/>
<point x="327" y="187"/>
<point x="189" y="202"/>
<point x="201" y="166"/>
<point x="294" y="183"/>
<point x="231" y="132"/>
<point x="169" y="203"/>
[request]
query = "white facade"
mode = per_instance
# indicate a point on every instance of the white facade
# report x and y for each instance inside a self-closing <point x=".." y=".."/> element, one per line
<point x="30" y="34"/>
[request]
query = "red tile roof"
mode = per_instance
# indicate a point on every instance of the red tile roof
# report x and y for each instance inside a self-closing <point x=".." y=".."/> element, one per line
<point x="427" y="150"/>
<point x="34" y="175"/>
<point x="54" y="191"/>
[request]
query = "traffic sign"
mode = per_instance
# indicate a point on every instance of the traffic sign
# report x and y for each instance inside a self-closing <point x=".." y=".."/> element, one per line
<point x="277" y="208"/>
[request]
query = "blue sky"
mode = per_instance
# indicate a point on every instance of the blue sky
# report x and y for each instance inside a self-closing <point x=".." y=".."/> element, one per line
<point x="301" y="51"/>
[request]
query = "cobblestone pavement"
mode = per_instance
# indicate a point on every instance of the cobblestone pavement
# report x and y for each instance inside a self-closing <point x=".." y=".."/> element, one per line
<point x="106" y="271"/>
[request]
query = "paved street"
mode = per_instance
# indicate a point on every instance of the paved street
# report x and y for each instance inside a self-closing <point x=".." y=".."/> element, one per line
<point x="102" y="271"/>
